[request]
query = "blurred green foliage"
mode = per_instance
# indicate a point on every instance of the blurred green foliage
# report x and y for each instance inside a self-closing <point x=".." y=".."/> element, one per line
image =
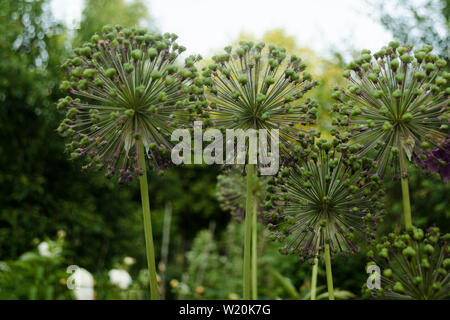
<point x="35" y="276"/>
<point x="417" y="22"/>
<point x="98" y="13"/>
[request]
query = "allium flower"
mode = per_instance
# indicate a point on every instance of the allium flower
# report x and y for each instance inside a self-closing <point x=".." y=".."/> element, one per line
<point x="127" y="95"/>
<point x="126" y="86"/>
<point x="232" y="191"/>
<point x="327" y="196"/>
<point x="397" y="104"/>
<point x="437" y="160"/>
<point x="252" y="88"/>
<point x="414" y="265"/>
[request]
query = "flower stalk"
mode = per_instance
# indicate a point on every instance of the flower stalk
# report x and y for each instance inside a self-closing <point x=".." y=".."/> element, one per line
<point x="248" y="233"/>
<point x="328" y="271"/>
<point x="406" y="202"/>
<point x="314" y="278"/>
<point x="255" y="252"/>
<point x="150" y="250"/>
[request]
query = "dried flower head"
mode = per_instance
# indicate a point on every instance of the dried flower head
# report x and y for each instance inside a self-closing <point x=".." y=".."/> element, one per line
<point x="327" y="195"/>
<point x="397" y="103"/>
<point x="414" y="265"/>
<point x="252" y="88"/>
<point x="232" y="192"/>
<point x="125" y="86"/>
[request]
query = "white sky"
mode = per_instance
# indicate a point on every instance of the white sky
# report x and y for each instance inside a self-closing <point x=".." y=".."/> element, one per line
<point x="206" y="26"/>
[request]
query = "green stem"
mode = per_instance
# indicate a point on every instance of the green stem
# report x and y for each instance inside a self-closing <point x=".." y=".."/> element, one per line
<point x="329" y="274"/>
<point x="147" y="225"/>
<point x="248" y="231"/>
<point x="314" y="278"/>
<point x="405" y="190"/>
<point x="406" y="202"/>
<point x="255" y="253"/>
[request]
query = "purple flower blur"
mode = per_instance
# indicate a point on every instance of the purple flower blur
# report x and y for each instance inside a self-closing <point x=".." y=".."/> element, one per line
<point x="437" y="160"/>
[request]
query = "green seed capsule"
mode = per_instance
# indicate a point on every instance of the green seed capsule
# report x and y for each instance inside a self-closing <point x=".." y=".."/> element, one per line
<point x="387" y="273"/>
<point x="111" y="72"/>
<point x="77" y="72"/>
<point x="394" y="64"/>
<point x="129" y="112"/>
<point x="397" y="93"/>
<point x="155" y="74"/>
<point x="89" y="73"/>
<point x="387" y="126"/>
<point x="441" y="63"/>
<point x="128" y="67"/>
<point x="136" y="54"/>
<point x="429" y="67"/>
<point x="398" y="287"/>
<point x="152" y="53"/>
<point x="409" y="252"/>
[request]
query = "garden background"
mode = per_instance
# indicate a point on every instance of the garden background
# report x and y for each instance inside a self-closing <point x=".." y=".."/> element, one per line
<point x="53" y="216"/>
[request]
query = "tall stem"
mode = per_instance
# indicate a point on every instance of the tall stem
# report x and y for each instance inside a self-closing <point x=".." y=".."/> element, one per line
<point x="314" y="278"/>
<point x="329" y="274"/>
<point x="248" y="231"/>
<point x="147" y="224"/>
<point x="406" y="203"/>
<point x="165" y="247"/>
<point x="405" y="191"/>
<point x="255" y="253"/>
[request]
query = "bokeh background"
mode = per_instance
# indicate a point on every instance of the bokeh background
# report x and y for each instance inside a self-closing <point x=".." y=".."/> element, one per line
<point x="53" y="216"/>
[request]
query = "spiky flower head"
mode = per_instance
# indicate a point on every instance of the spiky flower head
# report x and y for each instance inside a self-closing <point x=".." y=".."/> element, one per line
<point x="327" y="195"/>
<point x="397" y="103"/>
<point x="232" y="192"/>
<point x="256" y="88"/>
<point x="125" y="86"/>
<point x="413" y="265"/>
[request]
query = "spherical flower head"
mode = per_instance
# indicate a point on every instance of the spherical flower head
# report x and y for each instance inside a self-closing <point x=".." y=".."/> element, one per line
<point x="255" y="88"/>
<point x="437" y="160"/>
<point x="125" y="86"/>
<point x="231" y="192"/>
<point x="414" y="265"/>
<point x="326" y="195"/>
<point x="396" y="105"/>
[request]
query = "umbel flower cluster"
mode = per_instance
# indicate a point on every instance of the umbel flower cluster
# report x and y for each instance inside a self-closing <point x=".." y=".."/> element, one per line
<point x="125" y="86"/>
<point x="396" y="104"/>
<point x="326" y="195"/>
<point x="254" y="87"/>
<point x="414" y="265"/>
<point x="232" y="192"/>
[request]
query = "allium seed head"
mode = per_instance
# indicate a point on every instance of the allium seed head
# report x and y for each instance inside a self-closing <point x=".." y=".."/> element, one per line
<point x="255" y="88"/>
<point x="126" y="86"/>
<point x="402" y="101"/>
<point x="232" y="192"/>
<point x="327" y="194"/>
<point x="414" y="264"/>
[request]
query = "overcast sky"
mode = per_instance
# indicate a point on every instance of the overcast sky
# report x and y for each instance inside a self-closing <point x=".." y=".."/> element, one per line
<point x="204" y="26"/>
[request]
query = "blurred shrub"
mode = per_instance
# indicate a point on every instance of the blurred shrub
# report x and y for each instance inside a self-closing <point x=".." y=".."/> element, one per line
<point x="37" y="274"/>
